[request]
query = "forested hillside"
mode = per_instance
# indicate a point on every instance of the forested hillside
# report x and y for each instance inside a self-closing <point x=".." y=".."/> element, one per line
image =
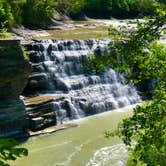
<point x="39" y="12"/>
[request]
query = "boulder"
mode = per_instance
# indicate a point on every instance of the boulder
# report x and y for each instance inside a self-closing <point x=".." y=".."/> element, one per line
<point x="38" y="82"/>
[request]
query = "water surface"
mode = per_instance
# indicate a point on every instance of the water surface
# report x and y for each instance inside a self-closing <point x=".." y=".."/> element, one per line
<point x="81" y="146"/>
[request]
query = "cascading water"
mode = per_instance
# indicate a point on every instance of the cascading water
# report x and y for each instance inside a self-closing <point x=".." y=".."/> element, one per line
<point x="57" y="68"/>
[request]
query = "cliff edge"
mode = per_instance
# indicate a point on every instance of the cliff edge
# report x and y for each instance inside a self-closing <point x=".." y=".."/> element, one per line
<point x="14" y="72"/>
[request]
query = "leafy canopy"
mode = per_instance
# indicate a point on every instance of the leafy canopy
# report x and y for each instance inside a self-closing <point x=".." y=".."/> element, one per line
<point x="139" y="57"/>
<point x="10" y="151"/>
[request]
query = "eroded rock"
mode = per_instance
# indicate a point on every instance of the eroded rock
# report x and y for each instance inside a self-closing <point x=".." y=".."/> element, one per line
<point x="14" y="72"/>
<point x="41" y="111"/>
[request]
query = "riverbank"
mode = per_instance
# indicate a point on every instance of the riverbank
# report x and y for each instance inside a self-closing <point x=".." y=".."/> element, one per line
<point x="69" y="29"/>
<point x="91" y="28"/>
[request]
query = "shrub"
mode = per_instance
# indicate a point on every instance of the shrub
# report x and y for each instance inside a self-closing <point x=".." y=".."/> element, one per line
<point x="37" y="12"/>
<point x="6" y="17"/>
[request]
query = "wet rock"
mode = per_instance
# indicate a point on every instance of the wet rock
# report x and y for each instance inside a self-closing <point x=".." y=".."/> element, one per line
<point x="37" y="47"/>
<point x="109" y="105"/>
<point x="36" y="57"/>
<point x="38" y="68"/>
<point x="37" y="82"/>
<point x="42" y="112"/>
<point x="36" y="123"/>
<point x="61" y="85"/>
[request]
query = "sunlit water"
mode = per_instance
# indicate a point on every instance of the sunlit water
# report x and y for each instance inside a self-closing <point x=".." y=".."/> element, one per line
<point x="81" y="146"/>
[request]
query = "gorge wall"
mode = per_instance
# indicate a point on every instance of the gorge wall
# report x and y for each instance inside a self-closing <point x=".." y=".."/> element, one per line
<point x="68" y="91"/>
<point x="14" y="71"/>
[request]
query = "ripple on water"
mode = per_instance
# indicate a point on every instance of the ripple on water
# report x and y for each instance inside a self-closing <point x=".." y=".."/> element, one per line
<point x="115" y="155"/>
<point x="77" y="150"/>
<point x="50" y="147"/>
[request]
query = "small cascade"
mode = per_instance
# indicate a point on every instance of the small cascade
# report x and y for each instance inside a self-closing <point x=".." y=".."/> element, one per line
<point x="57" y="68"/>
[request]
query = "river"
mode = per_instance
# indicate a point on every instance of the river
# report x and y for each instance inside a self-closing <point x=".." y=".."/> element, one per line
<point x="81" y="146"/>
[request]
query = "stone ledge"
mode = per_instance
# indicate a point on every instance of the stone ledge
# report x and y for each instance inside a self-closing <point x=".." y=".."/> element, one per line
<point x="52" y="129"/>
<point x="10" y="41"/>
<point x="37" y="100"/>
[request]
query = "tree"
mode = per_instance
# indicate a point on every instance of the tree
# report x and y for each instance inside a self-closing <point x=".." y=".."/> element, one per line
<point x="6" y="17"/>
<point x="17" y="10"/>
<point x="37" y="12"/>
<point x="139" y="57"/>
<point x="9" y="151"/>
<point x="98" y="8"/>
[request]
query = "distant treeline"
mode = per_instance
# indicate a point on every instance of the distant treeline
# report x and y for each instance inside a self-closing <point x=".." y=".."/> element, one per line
<point x="39" y="12"/>
<point x="26" y="12"/>
<point x="109" y="8"/>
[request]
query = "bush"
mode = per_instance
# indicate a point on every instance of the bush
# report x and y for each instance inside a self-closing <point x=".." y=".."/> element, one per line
<point x="145" y="131"/>
<point x="73" y="8"/>
<point x="37" y="12"/>
<point x="9" y="151"/>
<point x="6" y="17"/>
<point x="98" y="8"/>
<point x="17" y="10"/>
<point x="132" y="8"/>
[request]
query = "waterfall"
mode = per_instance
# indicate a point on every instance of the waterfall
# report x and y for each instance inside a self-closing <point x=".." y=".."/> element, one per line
<point x="57" y="68"/>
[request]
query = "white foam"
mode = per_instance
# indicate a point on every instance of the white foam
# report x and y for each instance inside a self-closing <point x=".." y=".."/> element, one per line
<point x="116" y="155"/>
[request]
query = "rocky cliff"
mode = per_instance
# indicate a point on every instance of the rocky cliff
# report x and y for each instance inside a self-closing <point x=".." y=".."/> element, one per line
<point x="14" y="71"/>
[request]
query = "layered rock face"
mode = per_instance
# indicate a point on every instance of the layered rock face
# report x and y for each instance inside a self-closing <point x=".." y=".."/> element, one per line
<point x="57" y="68"/>
<point x="40" y="110"/>
<point x="14" y="71"/>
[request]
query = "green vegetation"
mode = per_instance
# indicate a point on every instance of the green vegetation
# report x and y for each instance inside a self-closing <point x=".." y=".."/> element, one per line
<point x="142" y="59"/>
<point x="107" y="8"/>
<point x="98" y="8"/>
<point x="9" y="151"/>
<point x="39" y="12"/>
<point x="72" y="7"/>
<point x="148" y="128"/>
<point x="6" y="16"/>
<point x="27" y="12"/>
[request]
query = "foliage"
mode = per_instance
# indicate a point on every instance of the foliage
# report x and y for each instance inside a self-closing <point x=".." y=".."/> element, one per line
<point x="17" y="10"/>
<point x="141" y="58"/>
<point x="37" y="12"/>
<point x="141" y="50"/>
<point x="6" y="16"/>
<point x="147" y="127"/>
<point x="9" y="151"/>
<point x="27" y="12"/>
<point x="107" y="8"/>
<point x="72" y="8"/>
<point x="132" y="8"/>
<point x="98" y="8"/>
